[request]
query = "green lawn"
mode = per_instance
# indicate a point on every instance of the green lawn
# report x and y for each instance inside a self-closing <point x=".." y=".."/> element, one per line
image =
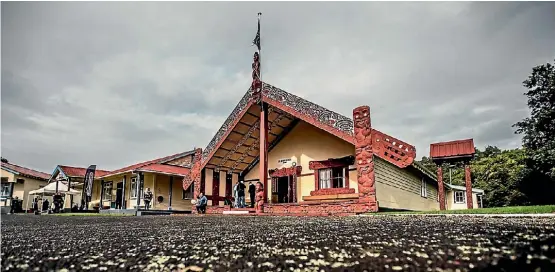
<point x="498" y="210"/>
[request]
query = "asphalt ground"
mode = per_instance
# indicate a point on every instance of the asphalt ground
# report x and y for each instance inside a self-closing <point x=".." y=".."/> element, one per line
<point x="263" y="243"/>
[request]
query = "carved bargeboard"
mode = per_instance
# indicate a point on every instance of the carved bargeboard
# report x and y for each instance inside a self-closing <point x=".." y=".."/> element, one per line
<point x="392" y="150"/>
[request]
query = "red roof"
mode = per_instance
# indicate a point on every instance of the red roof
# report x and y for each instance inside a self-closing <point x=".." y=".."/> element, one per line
<point x="166" y="169"/>
<point x="457" y="148"/>
<point x="80" y="172"/>
<point x="143" y="164"/>
<point x="26" y="171"/>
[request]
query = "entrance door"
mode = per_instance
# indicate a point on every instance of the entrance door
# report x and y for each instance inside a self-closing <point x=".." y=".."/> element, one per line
<point x="284" y="192"/>
<point x="119" y="195"/>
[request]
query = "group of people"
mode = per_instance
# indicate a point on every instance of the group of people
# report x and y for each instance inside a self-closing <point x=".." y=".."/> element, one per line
<point x="238" y="200"/>
<point x="239" y="194"/>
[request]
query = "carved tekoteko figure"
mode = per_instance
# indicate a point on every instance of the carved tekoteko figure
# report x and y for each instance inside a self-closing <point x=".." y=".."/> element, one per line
<point x="195" y="175"/>
<point x="256" y="83"/>
<point x="364" y="154"/>
<point x="259" y="197"/>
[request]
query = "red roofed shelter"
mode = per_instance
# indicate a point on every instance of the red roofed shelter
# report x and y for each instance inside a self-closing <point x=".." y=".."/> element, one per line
<point x="453" y="152"/>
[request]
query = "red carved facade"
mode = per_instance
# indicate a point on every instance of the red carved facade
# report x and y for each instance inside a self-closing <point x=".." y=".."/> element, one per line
<point x="364" y="156"/>
<point x="284" y="172"/>
<point x="468" y="183"/>
<point x="392" y="150"/>
<point x="259" y="197"/>
<point x="195" y="176"/>
<point x="333" y="191"/>
<point x="321" y="209"/>
<point x="441" y="189"/>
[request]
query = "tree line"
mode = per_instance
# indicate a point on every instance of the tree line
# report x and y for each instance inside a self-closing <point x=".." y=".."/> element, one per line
<point x="525" y="175"/>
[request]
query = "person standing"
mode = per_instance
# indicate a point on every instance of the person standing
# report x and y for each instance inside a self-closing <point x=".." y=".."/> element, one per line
<point x="235" y="196"/>
<point x="148" y="198"/>
<point x="241" y="194"/>
<point x="201" y="203"/>
<point x="13" y="205"/>
<point x="252" y="191"/>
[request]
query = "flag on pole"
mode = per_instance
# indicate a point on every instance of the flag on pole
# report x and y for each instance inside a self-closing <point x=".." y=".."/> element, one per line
<point x="256" y="40"/>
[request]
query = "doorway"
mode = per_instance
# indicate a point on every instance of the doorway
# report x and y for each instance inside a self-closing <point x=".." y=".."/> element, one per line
<point x="119" y="196"/>
<point x="284" y="189"/>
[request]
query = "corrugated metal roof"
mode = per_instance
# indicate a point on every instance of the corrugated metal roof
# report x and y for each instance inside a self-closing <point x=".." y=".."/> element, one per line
<point x="452" y="149"/>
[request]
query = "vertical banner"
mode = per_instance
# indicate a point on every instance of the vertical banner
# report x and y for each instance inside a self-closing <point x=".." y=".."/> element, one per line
<point x="89" y="178"/>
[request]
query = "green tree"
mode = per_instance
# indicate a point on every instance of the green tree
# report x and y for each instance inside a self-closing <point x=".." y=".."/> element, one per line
<point x="539" y="129"/>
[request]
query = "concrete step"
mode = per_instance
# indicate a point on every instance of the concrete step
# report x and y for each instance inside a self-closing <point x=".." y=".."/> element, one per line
<point x="238" y="211"/>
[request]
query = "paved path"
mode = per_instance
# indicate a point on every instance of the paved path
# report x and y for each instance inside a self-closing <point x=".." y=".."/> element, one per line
<point x="218" y="243"/>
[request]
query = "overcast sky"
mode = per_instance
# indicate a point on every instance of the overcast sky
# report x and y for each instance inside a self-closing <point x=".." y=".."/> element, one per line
<point x="117" y="83"/>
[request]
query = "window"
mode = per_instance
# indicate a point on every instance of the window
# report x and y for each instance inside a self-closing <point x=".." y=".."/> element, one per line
<point x="332" y="177"/>
<point x="480" y="201"/>
<point x="459" y="197"/>
<point x="107" y="191"/>
<point x="133" y="191"/>
<point x="423" y="191"/>
<point x="5" y="190"/>
<point x="188" y="194"/>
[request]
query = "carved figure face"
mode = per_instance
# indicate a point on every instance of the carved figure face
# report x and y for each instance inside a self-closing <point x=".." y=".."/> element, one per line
<point x="255" y="57"/>
<point x="361" y="117"/>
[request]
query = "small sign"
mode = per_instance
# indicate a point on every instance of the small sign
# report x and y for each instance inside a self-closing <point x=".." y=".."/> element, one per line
<point x="284" y="161"/>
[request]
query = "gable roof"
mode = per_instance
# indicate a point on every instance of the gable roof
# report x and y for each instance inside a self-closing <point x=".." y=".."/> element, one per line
<point x="24" y="171"/>
<point x="142" y="165"/>
<point x="462" y="188"/>
<point x="79" y="172"/>
<point x="386" y="147"/>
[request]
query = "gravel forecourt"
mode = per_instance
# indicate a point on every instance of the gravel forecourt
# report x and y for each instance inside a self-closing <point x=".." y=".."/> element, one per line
<point x="265" y="243"/>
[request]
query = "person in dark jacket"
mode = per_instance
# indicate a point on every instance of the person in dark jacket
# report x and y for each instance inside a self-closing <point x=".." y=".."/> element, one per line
<point x="201" y="203"/>
<point x="13" y="205"/>
<point x="148" y="198"/>
<point x="241" y="194"/>
<point x="252" y="191"/>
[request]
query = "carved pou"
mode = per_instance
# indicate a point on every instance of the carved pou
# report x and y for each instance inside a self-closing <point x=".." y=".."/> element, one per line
<point x="363" y="152"/>
<point x="259" y="197"/>
<point x="256" y="83"/>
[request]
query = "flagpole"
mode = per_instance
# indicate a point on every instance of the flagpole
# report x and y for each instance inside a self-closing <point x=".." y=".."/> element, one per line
<point x="260" y="51"/>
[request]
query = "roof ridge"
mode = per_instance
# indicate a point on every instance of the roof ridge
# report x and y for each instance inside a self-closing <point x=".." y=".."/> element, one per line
<point x="26" y="168"/>
<point x="85" y="168"/>
<point x="144" y="163"/>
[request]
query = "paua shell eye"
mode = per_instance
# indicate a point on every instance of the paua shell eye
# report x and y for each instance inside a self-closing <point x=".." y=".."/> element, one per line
<point x="365" y="114"/>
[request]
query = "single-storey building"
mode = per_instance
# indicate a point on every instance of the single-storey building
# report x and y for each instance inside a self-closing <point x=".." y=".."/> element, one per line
<point x="306" y="159"/>
<point x="73" y="177"/>
<point x="18" y="181"/>
<point x="455" y="197"/>
<point x="124" y="188"/>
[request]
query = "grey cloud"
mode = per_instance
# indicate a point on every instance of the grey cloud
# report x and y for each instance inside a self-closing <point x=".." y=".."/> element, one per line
<point x="113" y="83"/>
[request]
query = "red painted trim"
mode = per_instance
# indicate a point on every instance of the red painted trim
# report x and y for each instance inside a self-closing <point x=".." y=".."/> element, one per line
<point x="283" y="172"/>
<point x="216" y="188"/>
<point x="228" y="184"/>
<point x="263" y="151"/>
<point x="310" y="120"/>
<point x="441" y="190"/>
<point x="333" y="191"/>
<point x="316" y="179"/>
<point x="468" y="183"/>
<point x="392" y="149"/>
<point x="316" y="165"/>
<point x="224" y="137"/>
